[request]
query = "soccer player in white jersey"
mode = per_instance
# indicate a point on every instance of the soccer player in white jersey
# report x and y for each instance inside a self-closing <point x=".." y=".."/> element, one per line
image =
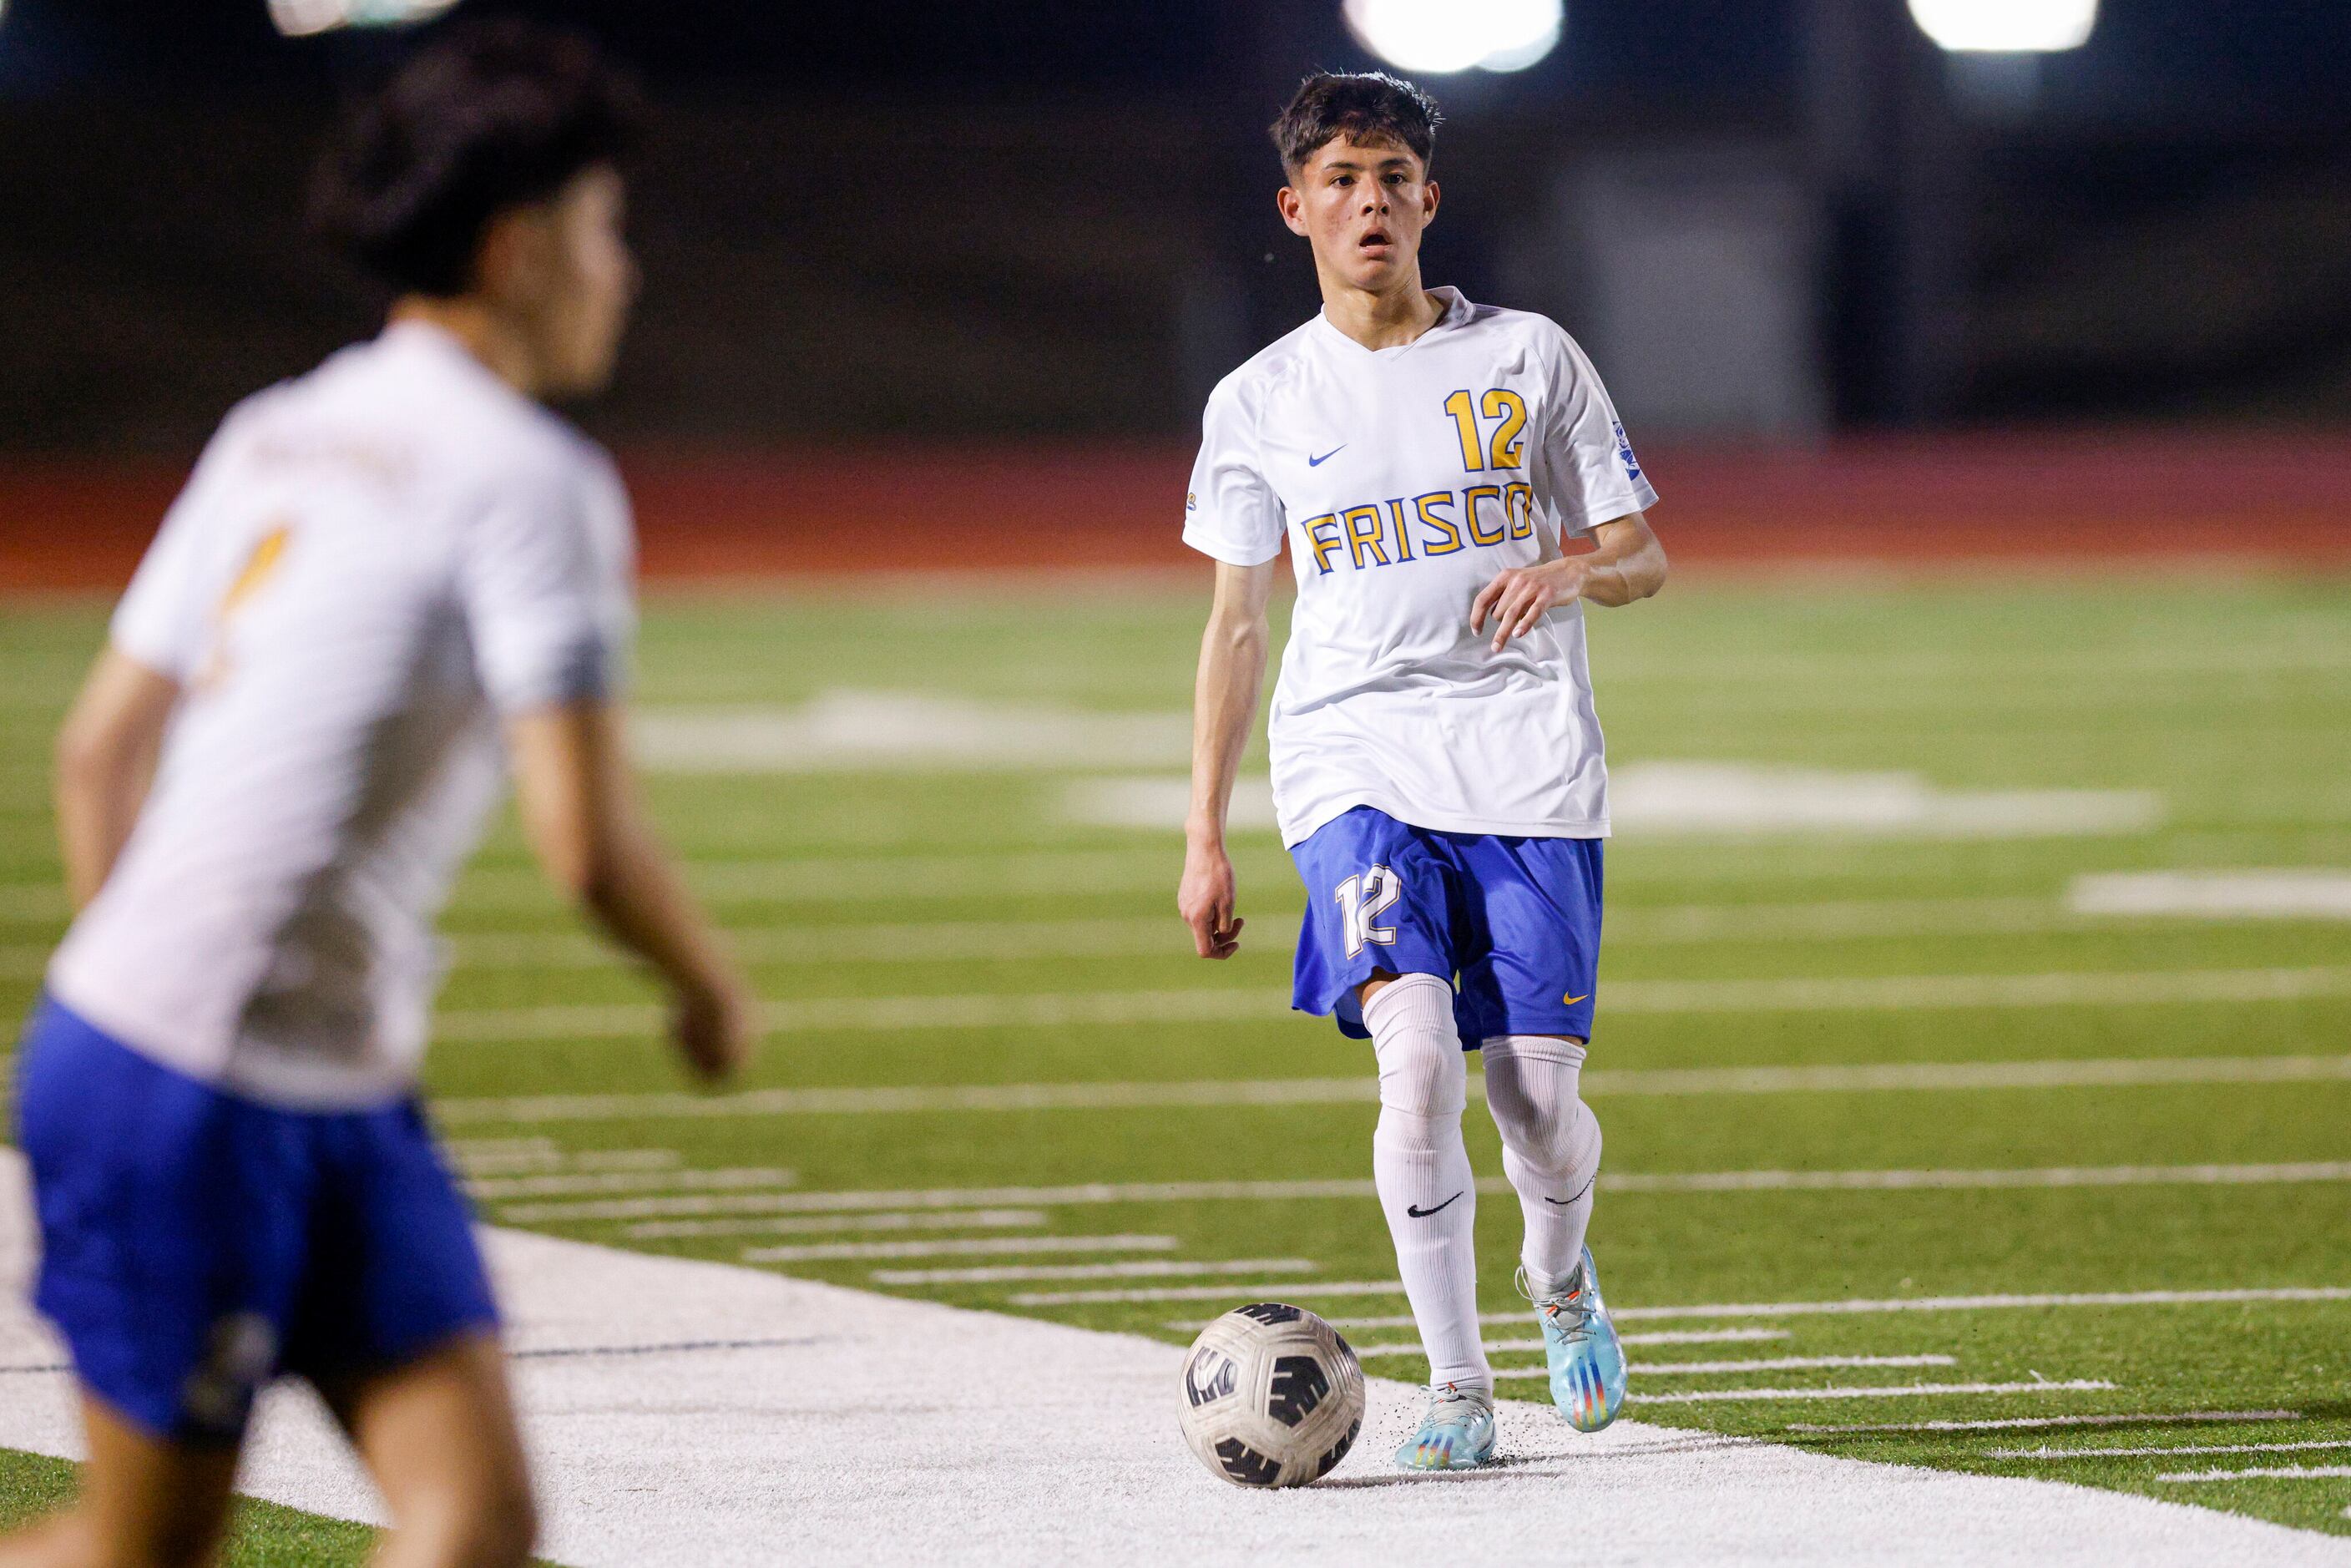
<point x="1454" y="488"/>
<point x="384" y="581"/>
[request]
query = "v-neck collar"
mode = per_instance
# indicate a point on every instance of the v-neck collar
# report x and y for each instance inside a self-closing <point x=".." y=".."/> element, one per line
<point x="1456" y="310"/>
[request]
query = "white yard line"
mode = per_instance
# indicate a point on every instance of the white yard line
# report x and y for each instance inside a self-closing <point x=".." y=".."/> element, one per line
<point x="1014" y="1274"/>
<point x="1405" y="1321"/>
<point x="1877" y="993"/>
<point x="726" y="1441"/>
<point x="1779" y="1308"/>
<point x="871" y="1251"/>
<point x="1898" y="1391"/>
<point x="2177" y="1451"/>
<point x="2036" y="1423"/>
<point x="1782" y="1363"/>
<point x="2263" y="1472"/>
<point x="569" y="1182"/>
<point x="1262" y="1290"/>
<point x="2301" y="894"/>
<point x="1859" y="1078"/>
<point x="827" y="1224"/>
<point x="705" y="1204"/>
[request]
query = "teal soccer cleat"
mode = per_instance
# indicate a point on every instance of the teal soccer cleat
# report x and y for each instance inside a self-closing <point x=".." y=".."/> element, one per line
<point x="1457" y="1434"/>
<point x="1587" y="1364"/>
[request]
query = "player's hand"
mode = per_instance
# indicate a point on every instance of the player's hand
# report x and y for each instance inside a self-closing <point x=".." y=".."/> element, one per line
<point x="1205" y="899"/>
<point x="1517" y="599"/>
<point x="714" y="1027"/>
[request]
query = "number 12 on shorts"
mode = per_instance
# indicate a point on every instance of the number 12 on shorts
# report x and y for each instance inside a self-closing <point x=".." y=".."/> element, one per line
<point x="1362" y="899"/>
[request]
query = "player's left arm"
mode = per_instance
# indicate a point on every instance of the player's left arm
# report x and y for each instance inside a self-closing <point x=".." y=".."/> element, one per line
<point x="105" y="763"/>
<point x="1626" y="563"/>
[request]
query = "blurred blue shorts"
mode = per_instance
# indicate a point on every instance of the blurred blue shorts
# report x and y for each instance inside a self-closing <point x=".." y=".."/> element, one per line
<point x="194" y="1244"/>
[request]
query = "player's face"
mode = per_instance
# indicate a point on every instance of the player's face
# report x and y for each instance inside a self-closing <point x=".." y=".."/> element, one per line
<point x="567" y="276"/>
<point x="1362" y="206"/>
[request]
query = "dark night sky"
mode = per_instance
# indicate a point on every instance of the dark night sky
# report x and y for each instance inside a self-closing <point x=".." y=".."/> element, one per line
<point x="2151" y="62"/>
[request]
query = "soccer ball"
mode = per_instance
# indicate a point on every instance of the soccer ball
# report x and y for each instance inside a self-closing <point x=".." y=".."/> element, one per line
<point x="1272" y="1396"/>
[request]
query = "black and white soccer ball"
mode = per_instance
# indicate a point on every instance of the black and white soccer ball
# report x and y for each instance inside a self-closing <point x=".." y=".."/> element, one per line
<point x="1272" y="1396"/>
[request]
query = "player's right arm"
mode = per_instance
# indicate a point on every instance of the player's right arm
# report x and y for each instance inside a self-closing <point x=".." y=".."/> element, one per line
<point x="543" y="578"/>
<point x="1224" y="708"/>
<point x="583" y="815"/>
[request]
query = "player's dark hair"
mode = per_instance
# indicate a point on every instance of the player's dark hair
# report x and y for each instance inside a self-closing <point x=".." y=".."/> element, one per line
<point x="1361" y="106"/>
<point x="487" y="117"/>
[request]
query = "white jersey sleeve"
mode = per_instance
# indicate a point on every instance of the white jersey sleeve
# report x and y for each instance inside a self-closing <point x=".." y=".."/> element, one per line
<point x="543" y="575"/>
<point x="1588" y="467"/>
<point x="164" y="618"/>
<point x="1231" y="513"/>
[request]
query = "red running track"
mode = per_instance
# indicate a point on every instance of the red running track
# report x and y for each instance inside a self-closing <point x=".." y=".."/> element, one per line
<point x="2072" y="501"/>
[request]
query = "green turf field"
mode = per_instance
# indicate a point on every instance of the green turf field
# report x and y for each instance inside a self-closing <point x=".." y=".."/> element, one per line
<point x="999" y="1055"/>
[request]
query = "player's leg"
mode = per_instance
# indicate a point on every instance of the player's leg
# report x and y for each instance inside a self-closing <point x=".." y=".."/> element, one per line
<point x="1529" y="993"/>
<point x="396" y="1329"/>
<point x="440" y="1437"/>
<point x="1374" y="952"/>
<point x="1420" y="1167"/>
<point x="144" y="1502"/>
<point x="1551" y="1149"/>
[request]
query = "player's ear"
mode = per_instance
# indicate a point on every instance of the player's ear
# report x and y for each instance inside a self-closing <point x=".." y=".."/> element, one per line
<point x="1293" y="210"/>
<point x="1428" y="200"/>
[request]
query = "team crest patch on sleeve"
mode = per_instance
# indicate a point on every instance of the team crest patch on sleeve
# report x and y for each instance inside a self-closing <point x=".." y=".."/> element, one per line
<point x="1191" y="497"/>
<point x="1625" y="452"/>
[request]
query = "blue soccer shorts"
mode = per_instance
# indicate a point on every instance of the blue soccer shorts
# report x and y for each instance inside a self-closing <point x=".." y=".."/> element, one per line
<point x="1513" y="922"/>
<point x="194" y="1244"/>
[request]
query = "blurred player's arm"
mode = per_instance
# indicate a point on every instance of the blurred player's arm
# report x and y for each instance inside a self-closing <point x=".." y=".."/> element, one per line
<point x="105" y="762"/>
<point x="1626" y="563"/>
<point x="587" y="824"/>
<point x="1224" y="708"/>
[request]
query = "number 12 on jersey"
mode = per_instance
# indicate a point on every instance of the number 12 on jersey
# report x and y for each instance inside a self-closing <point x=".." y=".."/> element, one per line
<point x="1506" y="450"/>
<point x="1362" y="899"/>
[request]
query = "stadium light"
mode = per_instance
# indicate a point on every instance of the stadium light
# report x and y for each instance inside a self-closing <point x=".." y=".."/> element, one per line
<point x="2006" y="27"/>
<point x="1442" y="36"/>
<point x="299" y="18"/>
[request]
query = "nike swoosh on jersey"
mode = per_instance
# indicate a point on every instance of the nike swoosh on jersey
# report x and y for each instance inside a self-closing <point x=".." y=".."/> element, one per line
<point x="1318" y="462"/>
<point x="1424" y="1213"/>
<point x="1570" y="1001"/>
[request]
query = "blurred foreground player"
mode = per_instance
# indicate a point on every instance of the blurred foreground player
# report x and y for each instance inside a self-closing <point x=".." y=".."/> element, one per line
<point x="380" y="578"/>
<point x="1436" y="760"/>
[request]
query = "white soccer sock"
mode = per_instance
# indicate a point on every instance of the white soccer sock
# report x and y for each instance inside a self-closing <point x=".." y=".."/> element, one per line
<point x="1551" y="1149"/>
<point x="1422" y="1170"/>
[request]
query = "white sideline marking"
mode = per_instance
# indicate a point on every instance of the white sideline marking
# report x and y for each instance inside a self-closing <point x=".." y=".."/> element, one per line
<point x="821" y="1224"/>
<point x="1264" y="1291"/>
<point x="2182" y="1449"/>
<point x="1018" y="1271"/>
<point x="901" y="732"/>
<point x="1629" y="1181"/>
<point x="1715" y="798"/>
<point x="660" y="1179"/>
<point x="2134" y="1418"/>
<point x="1898" y="1391"/>
<point x="1053" y="1010"/>
<point x="2262" y="1472"/>
<point x="2029" y="1073"/>
<point x="866" y="1251"/>
<point x="980" y="1471"/>
<point x="2299" y="895"/>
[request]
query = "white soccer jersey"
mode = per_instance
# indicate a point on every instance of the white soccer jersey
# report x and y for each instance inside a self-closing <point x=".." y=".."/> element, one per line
<point x="1405" y="478"/>
<point x="369" y="566"/>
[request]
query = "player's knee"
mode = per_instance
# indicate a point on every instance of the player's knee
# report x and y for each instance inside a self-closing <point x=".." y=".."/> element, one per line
<point x="1533" y="1093"/>
<point x="492" y="1526"/>
<point x="1422" y="1072"/>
